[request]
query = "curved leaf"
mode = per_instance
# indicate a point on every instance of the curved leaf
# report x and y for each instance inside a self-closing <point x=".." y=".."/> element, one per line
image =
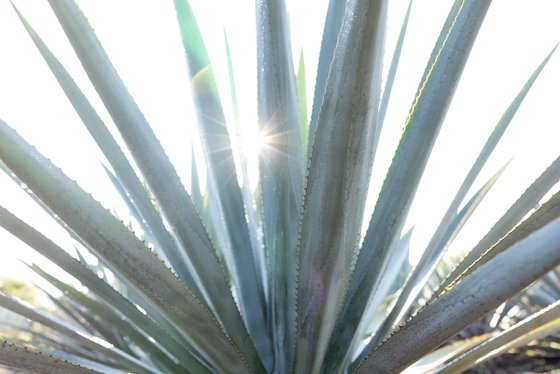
<point x="89" y="279"/>
<point x="105" y="316"/>
<point x="124" y="171"/>
<point x="25" y="359"/>
<point x="128" y="256"/>
<point x="73" y="332"/>
<point x="164" y="182"/>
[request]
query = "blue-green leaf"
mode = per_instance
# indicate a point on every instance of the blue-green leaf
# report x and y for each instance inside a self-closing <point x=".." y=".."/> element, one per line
<point x="527" y="201"/>
<point x="164" y="182"/>
<point x="422" y="125"/>
<point x="337" y="179"/>
<point x="419" y="275"/>
<point x="250" y="210"/>
<point x="333" y="23"/>
<point x="127" y="255"/>
<point x="438" y="243"/>
<point x="302" y="104"/>
<point x="176" y="346"/>
<point x="105" y="316"/>
<point x="74" y="332"/>
<point x="25" y="359"/>
<point x="120" y="164"/>
<point x="223" y="185"/>
<point x="281" y="170"/>
<point x="547" y="213"/>
<point x="388" y="87"/>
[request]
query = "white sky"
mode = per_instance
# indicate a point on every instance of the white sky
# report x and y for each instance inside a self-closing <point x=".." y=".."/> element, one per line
<point x="142" y="38"/>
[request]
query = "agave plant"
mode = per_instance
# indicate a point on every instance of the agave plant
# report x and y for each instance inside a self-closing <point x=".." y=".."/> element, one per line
<point x="276" y="279"/>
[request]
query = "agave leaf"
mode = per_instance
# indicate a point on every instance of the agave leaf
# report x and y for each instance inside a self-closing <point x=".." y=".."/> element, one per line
<point x="25" y="359"/>
<point x="398" y="264"/>
<point x="63" y="348"/>
<point x="86" y="320"/>
<point x="222" y="178"/>
<point x="120" y="248"/>
<point x="250" y="210"/>
<point x="333" y="23"/>
<point x="125" y="196"/>
<point x="547" y="213"/>
<point x="553" y="281"/>
<point x="475" y="296"/>
<point x="388" y="88"/>
<point x="337" y="180"/>
<point x="170" y="329"/>
<point x="426" y="265"/>
<point x="231" y="76"/>
<point x="440" y="240"/>
<point x="527" y="201"/>
<point x="281" y="169"/>
<point x="539" y="295"/>
<point x="183" y="356"/>
<point x="169" y="192"/>
<point x="397" y="267"/>
<point x="107" y="143"/>
<point x="302" y="103"/>
<point x="43" y="206"/>
<point x="196" y="193"/>
<point x="124" y="171"/>
<point x="42" y="338"/>
<point x="64" y="309"/>
<point x="97" y="329"/>
<point x="47" y="248"/>
<point x="148" y="234"/>
<point x="417" y="278"/>
<point x="73" y="332"/>
<point x="537" y="326"/>
<point x="433" y="360"/>
<point x="421" y="128"/>
<point x="108" y="317"/>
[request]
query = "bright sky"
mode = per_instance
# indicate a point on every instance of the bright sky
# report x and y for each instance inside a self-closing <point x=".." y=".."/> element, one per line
<point x="142" y="38"/>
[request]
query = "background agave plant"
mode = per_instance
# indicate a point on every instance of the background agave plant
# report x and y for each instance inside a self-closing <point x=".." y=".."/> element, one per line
<point x="228" y="279"/>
